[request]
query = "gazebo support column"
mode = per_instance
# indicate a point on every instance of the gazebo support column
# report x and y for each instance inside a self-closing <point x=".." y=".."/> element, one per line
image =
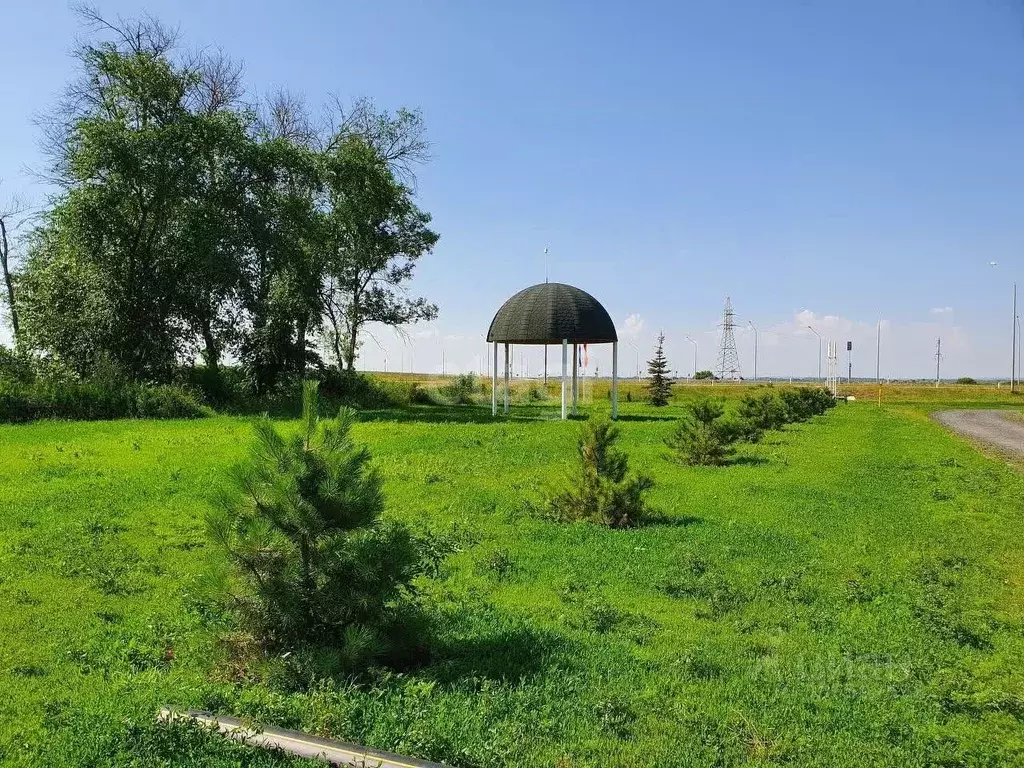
<point x="615" y="380"/>
<point x="494" y="382"/>
<point x="506" y="379"/>
<point x="565" y="362"/>
<point x="575" y="381"/>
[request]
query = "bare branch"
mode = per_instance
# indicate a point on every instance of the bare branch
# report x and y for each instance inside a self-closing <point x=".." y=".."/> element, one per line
<point x="283" y="115"/>
<point x="400" y="139"/>
<point x="145" y="35"/>
<point x="219" y="81"/>
<point x="84" y="95"/>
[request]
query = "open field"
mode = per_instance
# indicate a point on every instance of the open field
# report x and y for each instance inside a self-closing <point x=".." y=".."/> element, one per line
<point x="848" y="593"/>
<point x="953" y="395"/>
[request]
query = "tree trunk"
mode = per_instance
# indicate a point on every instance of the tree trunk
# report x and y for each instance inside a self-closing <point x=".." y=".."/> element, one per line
<point x="332" y="317"/>
<point x="352" y="325"/>
<point x="9" y="282"/>
<point x="350" y="348"/>
<point x="336" y="342"/>
<point x="211" y="355"/>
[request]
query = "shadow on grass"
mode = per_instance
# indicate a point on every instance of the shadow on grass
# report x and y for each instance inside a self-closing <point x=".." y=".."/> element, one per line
<point x="512" y="653"/>
<point x="445" y="414"/>
<point x="670" y="521"/>
<point x="637" y="417"/>
<point x="477" y="414"/>
<point x="749" y="461"/>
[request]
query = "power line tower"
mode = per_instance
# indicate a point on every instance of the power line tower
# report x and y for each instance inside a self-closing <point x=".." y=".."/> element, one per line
<point x="728" y="356"/>
<point x="938" y="360"/>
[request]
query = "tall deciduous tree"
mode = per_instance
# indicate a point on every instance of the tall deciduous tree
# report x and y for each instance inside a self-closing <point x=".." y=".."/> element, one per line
<point x="187" y="222"/>
<point x="282" y="265"/>
<point x="659" y="381"/>
<point x="210" y="233"/>
<point x="129" y="156"/>
<point x="374" y="236"/>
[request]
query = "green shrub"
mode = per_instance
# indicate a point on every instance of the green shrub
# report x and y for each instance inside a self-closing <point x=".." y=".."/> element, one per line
<point x="966" y="380"/>
<point x="701" y="375"/>
<point x="736" y="428"/>
<point x="421" y="395"/>
<point x="703" y="437"/>
<point x="29" y="368"/>
<point x="602" y="491"/>
<point x="87" y="401"/>
<point x="224" y="386"/>
<point x="360" y="390"/>
<point x="228" y="390"/>
<point x="804" y="402"/>
<point x="462" y="390"/>
<point x="765" y="410"/>
<point x="397" y="394"/>
<point x="535" y="393"/>
<point x="166" y="402"/>
<point x="15" y="367"/>
<point x="314" y="567"/>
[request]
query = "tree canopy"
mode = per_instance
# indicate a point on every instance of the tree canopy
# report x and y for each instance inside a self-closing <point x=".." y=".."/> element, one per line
<point x="194" y="223"/>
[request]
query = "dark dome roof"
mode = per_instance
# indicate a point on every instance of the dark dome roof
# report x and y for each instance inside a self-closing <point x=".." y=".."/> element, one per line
<point x="549" y="312"/>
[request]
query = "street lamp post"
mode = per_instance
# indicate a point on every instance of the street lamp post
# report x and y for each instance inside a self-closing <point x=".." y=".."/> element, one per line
<point x="754" y="329"/>
<point x="819" y="349"/>
<point x="1013" y="359"/>
<point x="694" y="356"/>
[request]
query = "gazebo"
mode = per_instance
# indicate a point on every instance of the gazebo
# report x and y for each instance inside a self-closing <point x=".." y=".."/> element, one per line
<point x="553" y="313"/>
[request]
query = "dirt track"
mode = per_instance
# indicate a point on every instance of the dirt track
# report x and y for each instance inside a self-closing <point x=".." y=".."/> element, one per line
<point x="1002" y="431"/>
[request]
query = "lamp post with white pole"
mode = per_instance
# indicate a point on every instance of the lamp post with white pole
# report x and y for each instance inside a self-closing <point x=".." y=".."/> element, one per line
<point x="754" y="329"/>
<point x="694" y="356"/>
<point x="1013" y="359"/>
<point x="819" y="349"/>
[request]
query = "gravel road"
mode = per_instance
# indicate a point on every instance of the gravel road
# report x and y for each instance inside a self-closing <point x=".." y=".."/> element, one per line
<point x="1000" y="430"/>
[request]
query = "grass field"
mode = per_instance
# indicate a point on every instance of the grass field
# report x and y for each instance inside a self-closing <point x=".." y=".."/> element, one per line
<point x="986" y="395"/>
<point x="849" y="593"/>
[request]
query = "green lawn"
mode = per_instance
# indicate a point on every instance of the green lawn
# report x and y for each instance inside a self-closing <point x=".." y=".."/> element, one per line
<point x="850" y="593"/>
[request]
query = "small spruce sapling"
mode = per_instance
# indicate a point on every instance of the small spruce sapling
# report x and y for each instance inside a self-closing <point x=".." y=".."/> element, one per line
<point x="704" y="436"/>
<point x="603" y="492"/>
<point x="659" y="384"/>
<point x="314" y="566"/>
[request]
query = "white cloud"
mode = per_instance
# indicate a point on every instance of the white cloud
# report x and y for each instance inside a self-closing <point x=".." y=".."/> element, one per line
<point x="634" y="325"/>
<point x="942" y="310"/>
<point x="785" y="347"/>
<point x="804" y="317"/>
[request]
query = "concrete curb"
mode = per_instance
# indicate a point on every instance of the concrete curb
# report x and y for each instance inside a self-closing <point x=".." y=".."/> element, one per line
<point x="338" y="753"/>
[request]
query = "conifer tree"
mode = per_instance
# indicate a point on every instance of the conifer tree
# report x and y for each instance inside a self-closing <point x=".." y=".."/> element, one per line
<point x="660" y="383"/>
<point x="313" y="563"/>
<point x="602" y="490"/>
<point x="704" y="436"/>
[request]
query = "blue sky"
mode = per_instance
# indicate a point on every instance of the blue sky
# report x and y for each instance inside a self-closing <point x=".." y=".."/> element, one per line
<point x="824" y="162"/>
